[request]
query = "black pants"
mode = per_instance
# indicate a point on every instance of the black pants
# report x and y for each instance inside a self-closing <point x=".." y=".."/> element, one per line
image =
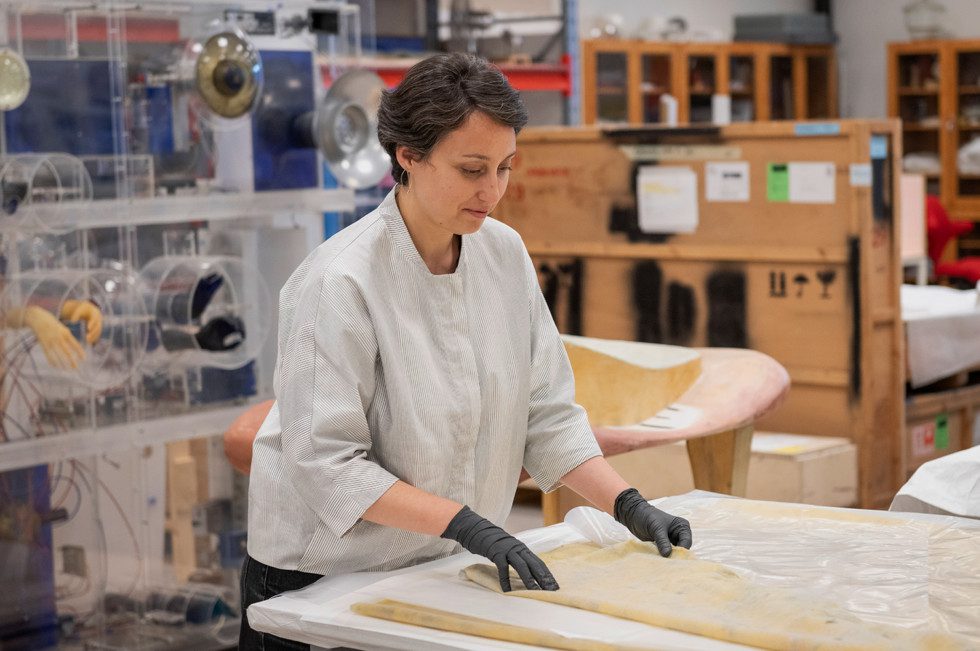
<point x="261" y="582"/>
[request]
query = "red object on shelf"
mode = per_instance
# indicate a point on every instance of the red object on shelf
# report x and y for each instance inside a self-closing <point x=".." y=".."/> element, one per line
<point x="531" y="77"/>
<point x="940" y="230"/>
<point x="51" y="27"/>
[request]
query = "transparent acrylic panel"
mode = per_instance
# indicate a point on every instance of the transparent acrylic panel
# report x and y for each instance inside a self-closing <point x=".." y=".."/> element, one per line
<point x="135" y="297"/>
<point x="137" y="548"/>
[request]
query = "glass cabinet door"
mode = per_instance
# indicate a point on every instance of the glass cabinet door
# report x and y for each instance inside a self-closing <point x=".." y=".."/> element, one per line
<point x="781" y="88"/>
<point x="701" y="85"/>
<point x="918" y="92"/>
<point x="818" y="80"/>
<point x="966" y="125"/>
<point x="612" y="88"/>
<point x="654" y="83"/>
<point x="741" y="87"/>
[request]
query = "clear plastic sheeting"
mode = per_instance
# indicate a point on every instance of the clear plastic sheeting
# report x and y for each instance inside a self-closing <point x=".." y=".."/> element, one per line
<point x="897" y="569"/>
<point x="920" y="572"/>
<point x="949" y="485"/>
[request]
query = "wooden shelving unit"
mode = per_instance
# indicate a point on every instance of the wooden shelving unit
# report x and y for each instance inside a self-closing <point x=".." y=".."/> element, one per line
<point x="765" y="81"/>
<point x="938" y="82"/>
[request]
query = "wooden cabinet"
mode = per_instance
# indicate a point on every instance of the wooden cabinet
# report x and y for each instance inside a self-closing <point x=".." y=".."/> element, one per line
<point x="623" y="80"/>
<point x="934" y="87"/>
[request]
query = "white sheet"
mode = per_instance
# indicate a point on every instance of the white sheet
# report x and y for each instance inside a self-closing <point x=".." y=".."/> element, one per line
<point x="949" y="484"/>
<point x="942" y="328"/>
<point x="878" y="571"/>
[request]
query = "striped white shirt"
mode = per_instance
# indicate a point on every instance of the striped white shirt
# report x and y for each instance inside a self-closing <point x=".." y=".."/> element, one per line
<point x="448" y="382"/>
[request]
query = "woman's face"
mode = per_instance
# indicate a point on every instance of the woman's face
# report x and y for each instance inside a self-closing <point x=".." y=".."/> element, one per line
<point x="464" y="176"/>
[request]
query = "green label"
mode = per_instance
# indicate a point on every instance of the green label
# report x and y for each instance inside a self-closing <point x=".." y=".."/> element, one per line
<point x="777" y="182"/>
<point x="942" y="432"/>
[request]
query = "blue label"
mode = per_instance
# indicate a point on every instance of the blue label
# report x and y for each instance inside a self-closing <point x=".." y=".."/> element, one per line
<point x="879" y="147"/>
<point x="817" y="129"/>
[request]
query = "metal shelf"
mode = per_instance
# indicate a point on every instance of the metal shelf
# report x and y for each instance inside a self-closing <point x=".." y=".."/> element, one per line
<point x="82" y="443"/>
<point x="180" y="208"/>
<point x="526" y="77"/>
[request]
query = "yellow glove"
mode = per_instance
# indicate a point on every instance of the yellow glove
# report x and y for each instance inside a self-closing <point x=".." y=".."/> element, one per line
<point x="60" y="347"/>
<point x="86" y="311"/>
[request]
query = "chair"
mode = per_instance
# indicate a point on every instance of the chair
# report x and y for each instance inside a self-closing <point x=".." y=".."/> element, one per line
<point x="630" y="390"/>
<point x="940" y="229"/>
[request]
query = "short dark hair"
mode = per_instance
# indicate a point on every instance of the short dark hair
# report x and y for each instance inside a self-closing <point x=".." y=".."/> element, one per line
<point x="436" y="96"/>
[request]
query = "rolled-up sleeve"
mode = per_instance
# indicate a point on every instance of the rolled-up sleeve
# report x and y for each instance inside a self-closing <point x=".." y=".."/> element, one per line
<point x="325" y="381"/>
<point x="559" y="437"/>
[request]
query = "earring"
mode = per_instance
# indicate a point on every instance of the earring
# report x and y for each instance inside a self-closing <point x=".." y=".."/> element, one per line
<point x="401" y="178"/>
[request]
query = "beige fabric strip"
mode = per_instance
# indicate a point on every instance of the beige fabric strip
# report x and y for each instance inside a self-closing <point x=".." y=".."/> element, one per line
<point x="406" y="613"/>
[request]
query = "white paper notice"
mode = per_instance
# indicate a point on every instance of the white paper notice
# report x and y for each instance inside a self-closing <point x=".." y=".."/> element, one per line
<point x="812" y="183"/>
<point x="727" y="181"/>
<point x="667" y="199"/>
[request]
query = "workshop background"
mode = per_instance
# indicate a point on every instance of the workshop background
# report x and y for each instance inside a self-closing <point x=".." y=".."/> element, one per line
<point x="799" y="178"/>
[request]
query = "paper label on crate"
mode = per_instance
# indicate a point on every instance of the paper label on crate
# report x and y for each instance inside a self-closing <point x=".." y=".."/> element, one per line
<point x="812" y="183"/>
<point x="816" y="129"/>
<point x="923" y="439"/>
<point x="667" y="199"/>
<point x="942" y="432"/>
<point x="777" y="182"/>
<point x="861" y="175"/>
<point x="879" y="147"/>
<point x="681" y="152"/>
<point x="727" y="181"/>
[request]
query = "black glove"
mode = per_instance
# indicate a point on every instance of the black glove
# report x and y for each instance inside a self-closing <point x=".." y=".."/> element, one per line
<point x="649" y="523"/>
<point x="480" y="536"/>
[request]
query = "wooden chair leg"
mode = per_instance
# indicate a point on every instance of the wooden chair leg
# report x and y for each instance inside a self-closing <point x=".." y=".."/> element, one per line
<point x="551" y="508"/>
<point x="720" y="462"/>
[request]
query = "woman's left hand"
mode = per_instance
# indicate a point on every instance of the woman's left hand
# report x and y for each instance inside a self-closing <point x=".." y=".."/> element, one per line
<point x="649" y="523"/>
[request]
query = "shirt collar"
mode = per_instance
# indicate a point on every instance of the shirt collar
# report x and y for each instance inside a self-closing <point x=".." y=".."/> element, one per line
<point x="402" y="239"/>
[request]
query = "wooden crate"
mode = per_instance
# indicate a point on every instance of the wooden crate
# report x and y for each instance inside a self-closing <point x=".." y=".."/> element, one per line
<point x="814" y="285"/>
<point x="938" y="424"/>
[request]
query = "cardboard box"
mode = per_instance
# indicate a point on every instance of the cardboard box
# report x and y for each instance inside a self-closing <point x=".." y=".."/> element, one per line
<point x="783" y="468"/>
<point x="806" y="469"/>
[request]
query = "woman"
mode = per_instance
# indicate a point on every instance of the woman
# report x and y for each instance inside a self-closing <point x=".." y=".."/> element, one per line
<point x="419" y="368"/>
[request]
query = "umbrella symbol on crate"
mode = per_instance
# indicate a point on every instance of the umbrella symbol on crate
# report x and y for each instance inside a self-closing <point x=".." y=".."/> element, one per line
<point x="801" y="282"/>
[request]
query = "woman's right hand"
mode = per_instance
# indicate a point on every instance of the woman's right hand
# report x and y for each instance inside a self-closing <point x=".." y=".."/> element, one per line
<point x="480" y="536"/>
